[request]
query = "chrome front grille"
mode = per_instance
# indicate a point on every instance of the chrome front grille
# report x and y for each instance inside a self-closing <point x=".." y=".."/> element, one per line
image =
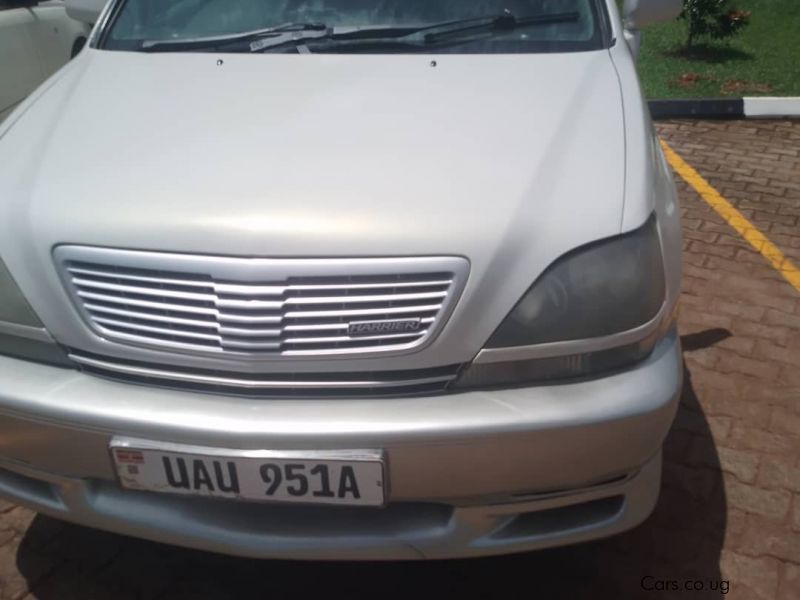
<point x="272" y="385"/>
<point x="272" y="307"/>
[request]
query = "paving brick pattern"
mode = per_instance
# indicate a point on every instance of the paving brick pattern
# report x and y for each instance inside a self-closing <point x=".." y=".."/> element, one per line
<point x="729" y="513"/>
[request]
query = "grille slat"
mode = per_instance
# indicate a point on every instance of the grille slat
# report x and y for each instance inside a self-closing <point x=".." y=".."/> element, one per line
<point x="149" y="316"/>
<point x="124" y="301"/>
<point x="269" y="310"/>
<point x="242" y="332"/>
<point x="339" y="339"/>
<point x="250" y="319"/>
<point x="252" y="346"/>
<point x="365" y="299"/>
<point x="364" y="312"/>
<point x="378" y="383"/>
<point x="369" y="286"/>
<point x="273" y="305"/>
<point x="87" y="272"/>
<point x="182" y="332"/>
<point x="143" y="290"/>
<point x="230" y="289"/>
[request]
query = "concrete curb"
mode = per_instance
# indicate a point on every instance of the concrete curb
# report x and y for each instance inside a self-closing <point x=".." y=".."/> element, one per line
<point x="725" y="108"/>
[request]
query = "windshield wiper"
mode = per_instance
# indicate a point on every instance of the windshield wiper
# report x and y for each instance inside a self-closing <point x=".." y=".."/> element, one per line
<point x="421" y="37"/>
<point x="213" y="42"/>
<point x="322" y="37"/>
<point x="503" y="22"/>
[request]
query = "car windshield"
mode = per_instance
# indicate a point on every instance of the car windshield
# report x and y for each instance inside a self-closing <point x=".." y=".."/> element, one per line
<point x="364" y="26"/>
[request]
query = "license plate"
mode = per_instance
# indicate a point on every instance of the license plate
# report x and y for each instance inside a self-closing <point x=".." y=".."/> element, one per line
<point x="347" y="477"/>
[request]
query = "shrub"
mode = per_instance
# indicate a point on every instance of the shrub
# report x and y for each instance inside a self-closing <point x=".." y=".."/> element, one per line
<point x="715" y="19"/>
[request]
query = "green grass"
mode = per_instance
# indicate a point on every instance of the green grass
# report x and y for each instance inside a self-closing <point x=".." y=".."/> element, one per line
<point x="764" y="59"/>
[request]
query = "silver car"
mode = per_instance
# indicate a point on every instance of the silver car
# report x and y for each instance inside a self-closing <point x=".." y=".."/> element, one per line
<point x="341" y="279"/>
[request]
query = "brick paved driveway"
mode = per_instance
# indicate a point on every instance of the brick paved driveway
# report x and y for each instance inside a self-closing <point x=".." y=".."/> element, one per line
<point x="730" y="506"/>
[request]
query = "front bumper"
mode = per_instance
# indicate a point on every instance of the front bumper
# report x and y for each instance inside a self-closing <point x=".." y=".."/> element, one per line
<point x="470" y="474"/>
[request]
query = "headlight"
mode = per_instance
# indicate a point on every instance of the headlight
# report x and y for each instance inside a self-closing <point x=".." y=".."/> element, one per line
<point x="13" y="306"/>
<point x="597" y="290"/>
<point x="608" y="287"/>
<point x="22" y="335"/>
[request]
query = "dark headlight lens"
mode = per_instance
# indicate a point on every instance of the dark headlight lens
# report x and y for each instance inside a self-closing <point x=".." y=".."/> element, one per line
<point x="600" y="289"/>
<point x="13" y="306"/>
<point x="17" y="315"/>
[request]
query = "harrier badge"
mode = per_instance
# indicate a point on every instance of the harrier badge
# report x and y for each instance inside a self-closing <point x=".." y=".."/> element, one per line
<point x="361" y="328"/>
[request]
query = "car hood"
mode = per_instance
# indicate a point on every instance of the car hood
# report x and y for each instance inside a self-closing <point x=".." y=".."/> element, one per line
<point x="508" y="160"/>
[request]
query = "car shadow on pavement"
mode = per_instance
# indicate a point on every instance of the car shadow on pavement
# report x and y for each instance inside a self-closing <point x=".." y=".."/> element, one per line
<point x="675" y="553"/>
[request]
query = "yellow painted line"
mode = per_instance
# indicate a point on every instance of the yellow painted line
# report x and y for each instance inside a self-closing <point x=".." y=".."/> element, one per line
<point x="734" y="218"/>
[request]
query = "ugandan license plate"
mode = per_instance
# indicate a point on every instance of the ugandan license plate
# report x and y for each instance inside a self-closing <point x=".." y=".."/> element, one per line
<point x="346" y="477"/>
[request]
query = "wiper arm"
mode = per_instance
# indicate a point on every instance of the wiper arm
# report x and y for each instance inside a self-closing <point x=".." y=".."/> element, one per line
<point x="224" y="40"/>
<point x="415" y="36"/>
<point x="504" y="22"/>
